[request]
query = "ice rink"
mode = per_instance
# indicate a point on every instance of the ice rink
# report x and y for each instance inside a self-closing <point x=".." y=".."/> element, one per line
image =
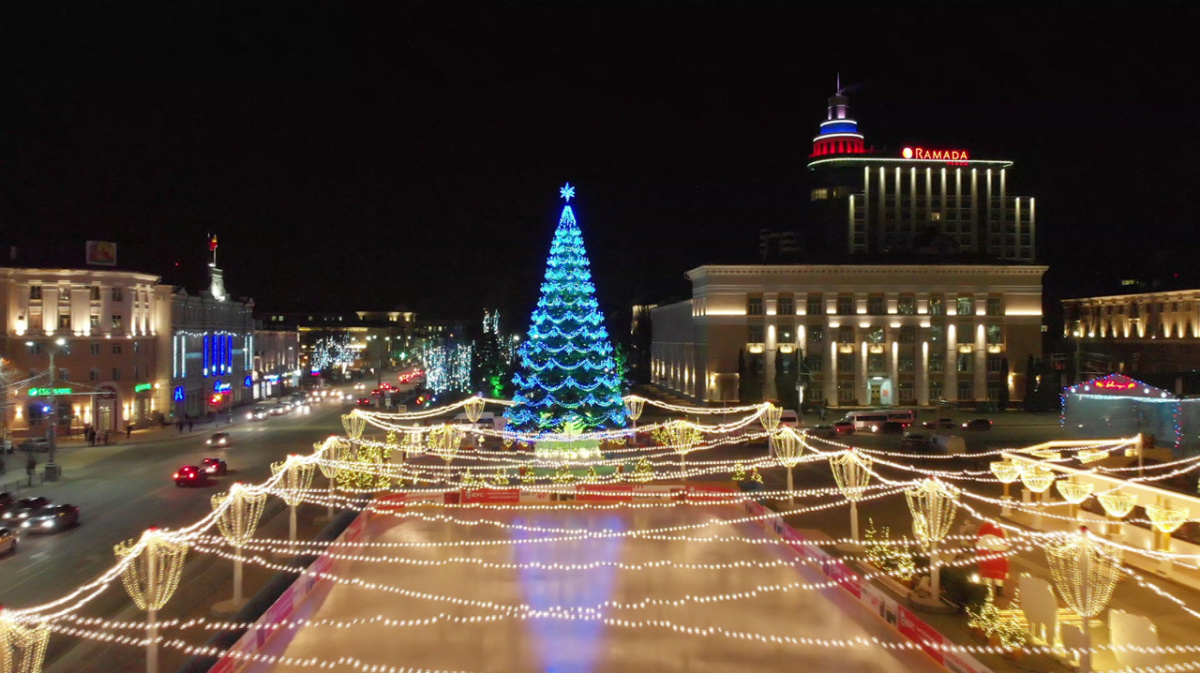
<point x="516" y="645"/>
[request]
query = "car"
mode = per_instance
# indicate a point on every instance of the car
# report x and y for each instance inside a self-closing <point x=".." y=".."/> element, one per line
<point x="789" y="418"/>
<point x="6" y="500"/>
<point x="977" y="424"/>
<point x="823" y="429"/>
<point x="52" y="519"/>
<point x="280" y="409"/>
<point x="303" y="408"/>
<point x="843" y="427"/>
<point x="940" y="423"/>
<point x="360" y="386"/>
<point x="35" y="445"/>
<point x="890" y="428"/>
<point x="219" y="439"/>
<point x="190" y="475"/>
<point x="8" y="541"/>
<point x="214" y="466"/>
<point x="914" y="442"/>
<point x="22" y="508"/>
<point x="257" y="413"/>
<point x="364" y="401"/>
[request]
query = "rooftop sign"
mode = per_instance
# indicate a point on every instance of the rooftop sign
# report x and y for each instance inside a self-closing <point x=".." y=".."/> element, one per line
<point x="43" y="392"/>
<point x="935" y="155"/>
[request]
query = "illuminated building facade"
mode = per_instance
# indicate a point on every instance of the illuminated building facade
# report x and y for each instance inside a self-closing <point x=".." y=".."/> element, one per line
<point x="911" y="202"/>
<point x="1144" y="334"/>
<point x="867" y="335"/>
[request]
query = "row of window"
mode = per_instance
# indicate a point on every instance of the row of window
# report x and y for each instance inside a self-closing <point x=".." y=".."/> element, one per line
<point x="64" y="321"/>
<point x="907" y="395"/>
<point x="94" y="348"/>
<point x="876" y="304"/>
<point x="94" y="374"/>
<point x="1135" y="310"/>
<point x="994" y="334"/>
<point x="847" y="362"/>
<point x="118" y="293"/>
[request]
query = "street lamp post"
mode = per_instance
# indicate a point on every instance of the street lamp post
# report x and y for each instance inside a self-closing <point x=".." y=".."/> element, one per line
<point x="52" y="437"/>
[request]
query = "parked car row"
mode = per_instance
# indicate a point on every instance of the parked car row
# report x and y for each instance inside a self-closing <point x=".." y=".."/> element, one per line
<point x="32" y="515"/>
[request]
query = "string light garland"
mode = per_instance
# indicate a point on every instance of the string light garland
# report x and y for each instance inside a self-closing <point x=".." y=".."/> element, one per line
<point x="1085" y="573"/>
<point x="22" y="646"/>
<point x="852" y="472"/>
<point x="151" y="579"/>
<point x="239" y="512"/>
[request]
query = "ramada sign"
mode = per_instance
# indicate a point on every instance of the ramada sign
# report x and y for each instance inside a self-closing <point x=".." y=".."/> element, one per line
<point x="934" y="155"/>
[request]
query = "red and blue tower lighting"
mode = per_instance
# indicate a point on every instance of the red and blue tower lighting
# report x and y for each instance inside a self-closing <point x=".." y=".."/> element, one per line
<point x="839" y="133"/>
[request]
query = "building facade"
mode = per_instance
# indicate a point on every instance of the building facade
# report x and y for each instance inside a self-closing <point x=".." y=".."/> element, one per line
<point x="912" y="201"/>
<point x="1142" y="333"/>
<point x="276" y="362"/>
<point x="878" y="335"/>
<point x="105" y="328"/>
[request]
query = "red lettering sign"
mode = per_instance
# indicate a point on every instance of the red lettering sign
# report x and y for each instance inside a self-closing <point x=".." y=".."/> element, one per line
<point x="954" y="157"/>
<point x="1116" y="385"/>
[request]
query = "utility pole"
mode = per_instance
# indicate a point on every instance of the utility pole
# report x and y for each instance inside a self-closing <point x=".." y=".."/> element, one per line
<point x="52" y="434"/>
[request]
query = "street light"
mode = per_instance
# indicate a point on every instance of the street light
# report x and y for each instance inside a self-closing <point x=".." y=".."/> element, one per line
<point x="51" y="466"/>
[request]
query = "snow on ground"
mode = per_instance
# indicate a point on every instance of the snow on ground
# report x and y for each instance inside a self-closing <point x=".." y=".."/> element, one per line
<point x="580" y="646"/>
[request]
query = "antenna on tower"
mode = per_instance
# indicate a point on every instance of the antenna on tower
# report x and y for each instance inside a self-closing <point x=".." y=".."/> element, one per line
<point x="839" y="83"/>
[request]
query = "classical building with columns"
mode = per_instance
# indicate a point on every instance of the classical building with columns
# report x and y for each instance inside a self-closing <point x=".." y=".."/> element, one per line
<point x="877" y="335"/>
<point x="1143" y="333"/>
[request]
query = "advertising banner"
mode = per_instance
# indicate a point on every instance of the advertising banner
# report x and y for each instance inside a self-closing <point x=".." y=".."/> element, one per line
<point x="101" y="253"/>
<point x="915" y="629"/>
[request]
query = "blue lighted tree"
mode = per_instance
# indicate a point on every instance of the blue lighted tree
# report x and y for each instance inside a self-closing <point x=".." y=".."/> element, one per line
<point x="566" y="367"/>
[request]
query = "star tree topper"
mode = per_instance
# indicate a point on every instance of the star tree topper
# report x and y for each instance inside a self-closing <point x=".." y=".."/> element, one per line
<point x="566" y="191"/>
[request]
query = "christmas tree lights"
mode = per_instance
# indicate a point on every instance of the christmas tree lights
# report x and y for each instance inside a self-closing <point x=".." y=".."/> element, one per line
<point x="567" y="370"/>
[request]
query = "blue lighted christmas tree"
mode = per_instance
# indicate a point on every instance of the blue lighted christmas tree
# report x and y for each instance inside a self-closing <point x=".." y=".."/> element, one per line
<point x="567" y="372"/>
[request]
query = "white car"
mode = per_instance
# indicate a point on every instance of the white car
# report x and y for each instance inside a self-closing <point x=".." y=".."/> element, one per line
<point x="8" y="540"/>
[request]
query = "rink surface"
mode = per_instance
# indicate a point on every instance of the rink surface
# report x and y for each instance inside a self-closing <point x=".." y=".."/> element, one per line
<point x="578" y="646"/>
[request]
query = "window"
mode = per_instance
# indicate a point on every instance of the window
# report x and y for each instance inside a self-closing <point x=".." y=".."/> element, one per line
<point x="64" y="375"/>
<point x="116" y="321"/>
<point x="935" y="306"/>
<point x="35" y="348"/>
<point x="137" y="373"/>
<point x="819" y="194"/>
<point x="995" y="334"/>
<point x="906" y="392"/>
<point x="845" y="335"/>
<point x="94" y="375"/>
<point x="908" y="334"/>
<point x="935" y="362"/>
<point x="814" y="394"/>
<point x="816" y="304"/>
<point x="937" y="334"/>
<point x="936" y="217"/>
<point x="845" y="392"/>
<point x="965" y="391"/>
<point x="875" y="363"/>
<point x="907" y="364"/>
<point x="845" y="305"/>
<point x="935" y="391"/>
<point x="815" y="363"/>
<point x="118" y="294"/>
<point x="116" y="349"/>
<point x="785" y="334"/>
<point x="875" y="305"/>
<point x="94" y="348"/>
<point x="756" y="334"/>
<point x="995" y="365"/>
<point x="964" y="305"/>
<point x="816" y="335"/>
<point x="994" y="392"/>
<point x="994" y="307"/>
<point x="94" y="293"/>
<point x="845" y="362"/>
<point x="964" y="362"/>
<point x="906" y="305"/>
<point x="116" y="374"/>
<point x="754" y="306"/>
<point x="35" y="291"/>
<point x="95" y="322"/>
<point x="136" y="347"/>
<point x="786" y="306"/>
<point x="64" y="321"/>
<point x="875" y="335"/>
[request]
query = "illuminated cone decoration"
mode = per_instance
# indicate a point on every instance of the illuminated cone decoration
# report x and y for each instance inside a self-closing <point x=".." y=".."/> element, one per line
<point x="770" y="416"/>
<point x="332" y="453"/>
<point x="238" y="514"/>
<point x="445" y="441"/>
<point x="933" y="505"/>
<point x="566" y="368"/>
<point x="297" y="478"/>
<point x="22" y="646"/>
<point x="788" y="448"/>
<point x="150" y="576"/>
<point x="354" y="422"/>
<point x="1085" y="572"/>
<point x="683" y="438"/>
<point x="473" y="409"/>
<point x="852" y="472"/>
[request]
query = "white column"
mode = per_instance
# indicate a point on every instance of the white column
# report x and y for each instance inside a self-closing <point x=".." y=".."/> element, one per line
<point x="830" y="372"/>
<point x="866" y="208"/>
<point x="980" y="381"/>
<point x="923" y="375"/>
<point x="882" y="206"/>
<point x="860" y="377"/>
<point x="958" y="203"/>
<point x="1016" y="246"/>
<point x="1032" y="232"/>
<point x="894" y="369"/>
<point x="981" y="241"/>
<point x="950" y="364"/>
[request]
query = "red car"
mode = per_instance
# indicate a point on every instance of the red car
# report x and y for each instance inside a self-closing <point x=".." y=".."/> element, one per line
<point x="844" y="427"/>
<point x="190" y="475"/>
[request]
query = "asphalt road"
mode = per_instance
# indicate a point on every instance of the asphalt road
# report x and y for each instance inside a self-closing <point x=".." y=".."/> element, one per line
<point x="124" y="489"/>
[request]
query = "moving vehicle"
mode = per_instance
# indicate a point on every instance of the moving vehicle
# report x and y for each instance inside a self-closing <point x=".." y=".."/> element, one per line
<point x="823" y="430"/>
<point x="190" y="475"/>
<point x="874" y="420"/>
<point x="219" y="439"/>
<point x="6" y="500"/>
<point x="364" y="401"/>
<point x="977" y="424"/>
<point x="280" y="409"/>
<point x="948" y="444"/>
<point x="35" y="445"/>
<point x="257" y="413"/>
<point x="789" y="418"/>
<point x="214" y="466"/>
<point x="8" y="540"/>
<point x="940" y="423"/>
<point x="914" y="442"/>
<point x="24" y="507"/>
<point x="891" y="428"/>
<point x="843" y="427"/>
<point x="52" y="519"/>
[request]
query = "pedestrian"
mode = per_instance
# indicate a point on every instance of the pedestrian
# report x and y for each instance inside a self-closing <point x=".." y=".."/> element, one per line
<point x="189" y="424"/>
<point x="91" y="436"/>
<point x="129" y="431"/>
<point x="106" y="437"/>
<point x="180" y="424"/>
<point x="30" y="468"/>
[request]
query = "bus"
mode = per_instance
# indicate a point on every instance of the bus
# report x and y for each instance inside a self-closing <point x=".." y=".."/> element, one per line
<point x="873" y="420"/>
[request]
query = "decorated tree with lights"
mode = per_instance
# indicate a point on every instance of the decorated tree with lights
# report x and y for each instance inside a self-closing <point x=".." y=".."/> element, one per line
<point x="567" y="371"/>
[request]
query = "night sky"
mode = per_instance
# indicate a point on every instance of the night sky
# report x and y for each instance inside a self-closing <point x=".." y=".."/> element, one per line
<point x="353" y="160"/>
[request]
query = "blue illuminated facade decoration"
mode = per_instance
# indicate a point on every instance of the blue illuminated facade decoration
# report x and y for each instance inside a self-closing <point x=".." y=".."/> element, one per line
<point x="567" y="371"/>
<point x="178" y="396"/>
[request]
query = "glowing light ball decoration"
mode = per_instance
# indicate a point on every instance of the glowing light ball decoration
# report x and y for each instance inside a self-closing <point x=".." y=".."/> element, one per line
<point x="770" y="417"/>
<point x="22" y="647"/>
<point x="1085" y="572"/>
<point x="1117" y="506"/>
<point x="567" y="370"/>
<point x="1166" y="519"/>
<point x="331" y="465"/>
<point x="932" y="504"/>
<point x="239" y="512"/>
<point x="787" y="448"/>
<point x="354" y="423"/>
<point x="473" y="409"/>
<point x="297" y="477"/>
<point x="633" y="408"/>
<point x="150" y="578"/>
<point x="682" y="437"/>
<point x="852" y="472"/>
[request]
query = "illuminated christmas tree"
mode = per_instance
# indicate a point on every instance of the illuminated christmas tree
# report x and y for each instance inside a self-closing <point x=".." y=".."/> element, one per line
<point x="567" y="372"/>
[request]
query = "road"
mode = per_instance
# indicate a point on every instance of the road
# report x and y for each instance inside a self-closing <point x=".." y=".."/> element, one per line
<point x="124" y="489"/>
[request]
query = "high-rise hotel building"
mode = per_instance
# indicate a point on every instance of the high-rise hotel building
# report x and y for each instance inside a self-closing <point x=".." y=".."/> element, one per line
<point x="915" y="284"/>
